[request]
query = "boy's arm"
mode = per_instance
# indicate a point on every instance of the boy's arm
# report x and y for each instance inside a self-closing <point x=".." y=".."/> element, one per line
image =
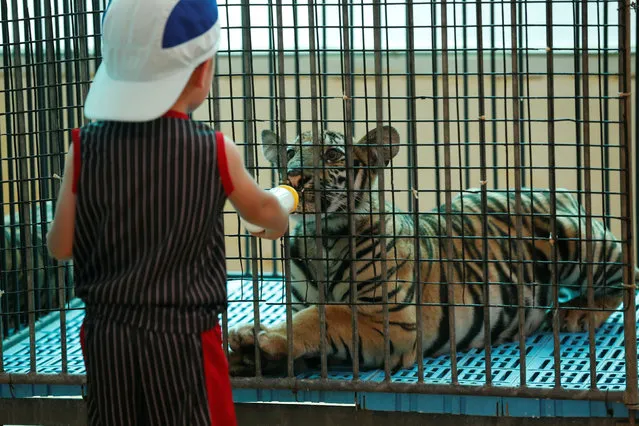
<point x="254" y="204"/>
<point x="60" y="236"/>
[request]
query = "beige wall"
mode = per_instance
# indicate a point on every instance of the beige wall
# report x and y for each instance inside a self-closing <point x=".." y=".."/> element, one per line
<point x="396" y="112"/>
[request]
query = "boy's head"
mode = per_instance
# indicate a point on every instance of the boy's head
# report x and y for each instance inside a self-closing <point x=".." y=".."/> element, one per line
<point x="156" y="53"/>
<point x="197" y="87"/>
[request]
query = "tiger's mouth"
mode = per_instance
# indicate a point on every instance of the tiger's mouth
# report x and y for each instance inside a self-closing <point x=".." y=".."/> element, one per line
<point x="307" y="200"/>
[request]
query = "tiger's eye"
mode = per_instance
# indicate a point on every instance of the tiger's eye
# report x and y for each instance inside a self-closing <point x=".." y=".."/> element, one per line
<point x="332" y="155"/>
<point x="290" y="153"/>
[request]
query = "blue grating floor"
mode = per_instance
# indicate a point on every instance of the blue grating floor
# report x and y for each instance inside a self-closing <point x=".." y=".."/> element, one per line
<point x="575" y="362"/>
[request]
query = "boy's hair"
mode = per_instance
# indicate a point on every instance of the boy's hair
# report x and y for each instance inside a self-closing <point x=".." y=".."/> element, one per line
<point x="150" y="49"/>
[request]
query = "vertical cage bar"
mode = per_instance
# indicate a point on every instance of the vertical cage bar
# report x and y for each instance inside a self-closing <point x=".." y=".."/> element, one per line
<point x="636" y="162"/>
<point x="317" y="153"/>
<point x="281" y="94"/>
<point x="389" y="103"/>
<point x="550" y="102"/>
<point x="254" y="146"/>
<point x="521" y="51"/>
<point x="447" y="195"/>
<point x="37" y="67"/>
<point x="465" y="94"/>
<point x="604" y="131"/>
<point x="577" y="76"/>
<point x="526" y="75"/>
<point x="323" y="51"/>
<point x="217" y="125"/>
<point x="493" y="93"/>
<point x="347" y="105"/>
<point x="351" y="26"/>
<point x="414" y="189"/>
<point x="53" y="138"/>
<point x="248" y="241"/>
<point x="232" y="97"/>
<point x="379" y="119"/>
<point x="319" y="80"/>
<point x="517" y="137"/>
<point x="436" y="121"/>
<point x="35" y="93"/>
<point x="273" y="112"/>
<point x="273" y="118"/>
<point x="298" y="85"/>
<point x="484" y="196"/>
<point x="214" y="102"/>
<point x="97" y="36"/>
<point x="603" y="193"/>
<point x="12" y="274"/>
<point x="531" y="156"/>
<point x="298" y="110"/>
<point x="23" y="188"/>
<point x="504" y="76"/>
<point x="69" y="61"/>
<point x="82" y="60"/>
<point x="249" y="137"/>
<point x="463" y="153"/>
<point x="606" y="109"/>
<point x="4" y="273"/>
<point x="631" y="397"/>
<point x="588" y="194"/>
<point x="54" y="127"/>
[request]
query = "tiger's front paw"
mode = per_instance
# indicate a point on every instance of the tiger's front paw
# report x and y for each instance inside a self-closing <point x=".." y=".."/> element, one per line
<point x="271" y="343"/>
<point x="242" y="340"/>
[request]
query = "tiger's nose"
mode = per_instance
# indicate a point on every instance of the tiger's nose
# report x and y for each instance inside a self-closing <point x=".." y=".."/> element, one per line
<point x="295" y="178"/>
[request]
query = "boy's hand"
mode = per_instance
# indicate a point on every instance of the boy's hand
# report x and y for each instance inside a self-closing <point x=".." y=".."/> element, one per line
<point x="270" y="235"/>
<point x="274" y="234"/>
<point x="256" y="206"/>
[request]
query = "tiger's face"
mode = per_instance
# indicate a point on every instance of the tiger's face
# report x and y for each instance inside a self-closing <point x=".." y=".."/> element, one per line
<point x="333" y="191"/>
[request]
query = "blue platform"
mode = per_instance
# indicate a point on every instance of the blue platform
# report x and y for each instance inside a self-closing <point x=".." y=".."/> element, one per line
<point x="575" y="366"/>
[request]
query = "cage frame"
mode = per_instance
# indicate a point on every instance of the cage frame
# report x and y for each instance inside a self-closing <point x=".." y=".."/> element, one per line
<point x="630" y="397"/>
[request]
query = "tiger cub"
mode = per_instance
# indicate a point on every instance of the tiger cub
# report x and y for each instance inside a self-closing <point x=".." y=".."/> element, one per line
<point x="395" y="255"/>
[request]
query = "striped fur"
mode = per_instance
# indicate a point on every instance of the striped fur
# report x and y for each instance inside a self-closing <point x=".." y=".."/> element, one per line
<point x="464" y="279"/>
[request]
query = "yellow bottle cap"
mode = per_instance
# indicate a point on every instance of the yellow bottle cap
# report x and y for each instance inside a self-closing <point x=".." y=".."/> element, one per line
<point x="296" y="197"/>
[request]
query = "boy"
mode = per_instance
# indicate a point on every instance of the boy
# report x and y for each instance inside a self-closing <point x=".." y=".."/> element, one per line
<point x="140" y="212"/>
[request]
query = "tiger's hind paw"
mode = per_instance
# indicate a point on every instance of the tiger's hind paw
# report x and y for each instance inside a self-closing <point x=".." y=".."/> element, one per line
<point x="573" y="321"/>
<point x="576" y="320"/>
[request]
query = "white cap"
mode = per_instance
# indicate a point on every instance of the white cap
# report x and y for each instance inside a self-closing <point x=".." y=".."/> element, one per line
<point x="150" y="49"/>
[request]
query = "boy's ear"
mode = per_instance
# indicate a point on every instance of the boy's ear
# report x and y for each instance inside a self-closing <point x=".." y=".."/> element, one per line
<point x="198" y="78"/>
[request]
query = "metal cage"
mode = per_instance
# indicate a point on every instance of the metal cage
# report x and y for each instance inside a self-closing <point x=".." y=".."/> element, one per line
<point x="424" y="102"/>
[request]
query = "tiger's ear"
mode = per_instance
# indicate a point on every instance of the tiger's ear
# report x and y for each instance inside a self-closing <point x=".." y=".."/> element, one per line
<point x="368" y="150"/>
<point x="270" y="146"/>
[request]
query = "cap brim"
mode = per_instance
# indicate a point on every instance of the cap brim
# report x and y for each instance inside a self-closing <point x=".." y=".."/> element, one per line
<point x="116" y="100"/>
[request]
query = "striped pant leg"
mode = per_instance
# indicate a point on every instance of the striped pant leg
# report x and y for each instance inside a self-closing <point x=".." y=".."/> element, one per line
<point x="185" y="379"/>
<point x="217" y="381"/>
<point x="110" y="358"/>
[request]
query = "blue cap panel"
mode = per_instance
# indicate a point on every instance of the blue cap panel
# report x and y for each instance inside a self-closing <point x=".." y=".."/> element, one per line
<point x="189" y="19"/>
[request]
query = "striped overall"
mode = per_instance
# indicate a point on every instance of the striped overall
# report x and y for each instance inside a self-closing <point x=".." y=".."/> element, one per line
<point x="150" y="266"/>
